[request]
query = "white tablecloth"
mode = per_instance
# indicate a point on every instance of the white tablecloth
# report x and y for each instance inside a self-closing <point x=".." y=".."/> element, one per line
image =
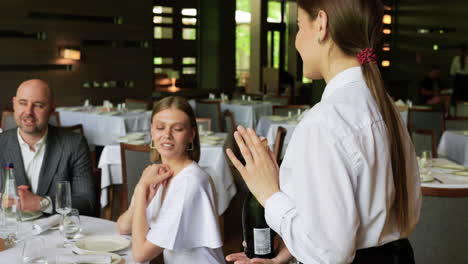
<point x="454" y="145"/>
<point x="54" y="240"/>
<point x="104" y="129"/>
<point x="268" y="128"/>
<point x="212" y="160"/>
<point x="248" y="115"/>
<point x="245" y="114"/>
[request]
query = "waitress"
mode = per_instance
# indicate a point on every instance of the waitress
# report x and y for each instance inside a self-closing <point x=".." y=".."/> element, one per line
<point x="348" y="189"/>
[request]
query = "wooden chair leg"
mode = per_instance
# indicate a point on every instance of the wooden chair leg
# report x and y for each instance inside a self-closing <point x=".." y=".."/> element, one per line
<point x="108" y="208"/>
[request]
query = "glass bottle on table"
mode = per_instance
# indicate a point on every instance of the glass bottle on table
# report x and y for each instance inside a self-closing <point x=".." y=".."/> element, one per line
<point x="10" y="216"/>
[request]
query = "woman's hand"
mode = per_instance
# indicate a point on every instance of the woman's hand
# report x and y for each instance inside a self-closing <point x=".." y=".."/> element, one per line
<point x="241" y="258"/>
<point x="155" y="174"/>
<point x="261" y="172"/>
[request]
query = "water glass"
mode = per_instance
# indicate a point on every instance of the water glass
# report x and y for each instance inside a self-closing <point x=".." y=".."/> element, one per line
<point x="63" y="197"/>
<point x="70" y="226"/>
<point x="426" y="159"/>
<point x="33" y="251"/>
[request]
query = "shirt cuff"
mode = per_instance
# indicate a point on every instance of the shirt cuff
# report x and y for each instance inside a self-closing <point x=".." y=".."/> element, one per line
<point x="276" y="207"/>
<point x="49" y="209"/>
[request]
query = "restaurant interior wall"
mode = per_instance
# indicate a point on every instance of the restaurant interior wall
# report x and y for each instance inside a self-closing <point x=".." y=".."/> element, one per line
<point x="114" y="37"/>
<point x="444" y="27"/>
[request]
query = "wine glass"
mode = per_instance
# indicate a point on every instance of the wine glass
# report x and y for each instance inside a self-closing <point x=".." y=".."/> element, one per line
<point x="63" y="197"/>
<point x="33" y="251"/>
<point x="69" y="226"/>
<point x="426" y="159"/>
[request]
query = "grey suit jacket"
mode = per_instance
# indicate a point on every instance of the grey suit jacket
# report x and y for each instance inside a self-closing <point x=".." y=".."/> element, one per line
<point x="66" y="158"/>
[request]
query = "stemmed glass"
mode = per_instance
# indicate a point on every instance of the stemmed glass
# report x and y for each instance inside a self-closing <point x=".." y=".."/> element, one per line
<point x="425" y="165"/>
<point x="70" y="226"/>
<point x="63" y="197"/>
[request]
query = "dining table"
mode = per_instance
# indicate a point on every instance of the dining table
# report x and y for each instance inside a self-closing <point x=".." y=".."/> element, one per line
<point x="103" y="127"/>
<point x="91" y="227"/>
<point x="453" y="144"/>
<point x="267" y="127"/>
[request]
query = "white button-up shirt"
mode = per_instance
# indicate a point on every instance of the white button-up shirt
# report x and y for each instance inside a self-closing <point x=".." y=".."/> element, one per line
<point x="456" y="67"/>
<point x="336" y="180"/>
<point x="32" y="160"/>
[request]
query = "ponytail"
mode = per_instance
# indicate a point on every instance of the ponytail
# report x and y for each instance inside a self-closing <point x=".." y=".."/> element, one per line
<point x="391" y="118"/>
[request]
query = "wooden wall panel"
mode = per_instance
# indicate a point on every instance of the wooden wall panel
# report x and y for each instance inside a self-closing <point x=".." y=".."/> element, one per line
<point x="98" y="64"/>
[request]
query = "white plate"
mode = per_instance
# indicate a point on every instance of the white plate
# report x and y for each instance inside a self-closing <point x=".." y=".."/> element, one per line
<point x="116" y="259"/>
<point x="27" y="216"/>
<point x="211" y="138"/>
<point x="102" y="243"/>
<point x="450" y="166"/>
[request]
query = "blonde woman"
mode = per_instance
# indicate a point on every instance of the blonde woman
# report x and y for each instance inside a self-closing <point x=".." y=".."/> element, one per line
<point x="173" y="209"/>
<point x="348" y="187"/>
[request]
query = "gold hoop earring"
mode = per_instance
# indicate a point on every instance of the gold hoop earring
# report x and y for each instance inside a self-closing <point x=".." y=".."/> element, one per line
<point x="152" y="145"/>
<point x="191" y="146"/>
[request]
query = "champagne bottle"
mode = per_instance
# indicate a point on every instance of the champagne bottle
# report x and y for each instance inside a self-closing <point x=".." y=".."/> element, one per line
<point x="257" y="235"/>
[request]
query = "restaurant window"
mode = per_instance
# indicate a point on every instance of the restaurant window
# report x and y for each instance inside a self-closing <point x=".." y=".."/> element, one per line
<point x="243" y="18"/>
<point x="175" y="43"/>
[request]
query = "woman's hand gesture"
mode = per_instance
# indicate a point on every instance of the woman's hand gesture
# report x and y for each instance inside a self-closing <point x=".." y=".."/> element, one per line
<point x="261" y="172"/>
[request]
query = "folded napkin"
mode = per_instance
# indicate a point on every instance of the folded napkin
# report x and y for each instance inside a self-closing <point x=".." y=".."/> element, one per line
<point x="96" y="259"/>
<point x="400" y="103"/>
<point x="44" y="224"/>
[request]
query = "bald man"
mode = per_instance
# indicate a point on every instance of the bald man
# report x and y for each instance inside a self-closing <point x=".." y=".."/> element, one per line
<point x="44" y="155"/>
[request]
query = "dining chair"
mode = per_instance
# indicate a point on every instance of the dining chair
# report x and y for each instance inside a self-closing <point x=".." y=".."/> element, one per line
<point x="427" y="119"/>
<point x="461" y="109"/>
<point x="456" y="123"/>
<point x="8" y="120"/>
<point x="210" y="109"/>
<point x="54" y="119"/>
<point x="279" y="143"/>
<point x="205" y="122"/>
<point x="441" y="234"/>
<point x="283" y="110"/>
<point x="424" y="139"/>
<point x="137" y="104"/>
<point x="135" y="158"/>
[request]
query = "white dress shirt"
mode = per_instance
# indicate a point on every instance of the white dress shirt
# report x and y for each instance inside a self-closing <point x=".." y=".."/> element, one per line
<point x="336" y="181"/>
<point x="32" y="160"/>
<point x="185" y="224"/>
<point x="456" y="68"/>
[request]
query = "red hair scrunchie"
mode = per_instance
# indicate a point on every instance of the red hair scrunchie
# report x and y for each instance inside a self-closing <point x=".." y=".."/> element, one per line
<point x="367" y="55"/>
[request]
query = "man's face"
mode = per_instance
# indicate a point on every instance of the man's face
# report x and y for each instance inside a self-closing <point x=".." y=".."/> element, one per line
<point x="32" y="107"/>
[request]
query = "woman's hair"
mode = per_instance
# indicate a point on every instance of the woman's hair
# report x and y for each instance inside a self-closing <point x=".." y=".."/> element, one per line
<point x="355" y="25"/>
<point x="179" y="103"/>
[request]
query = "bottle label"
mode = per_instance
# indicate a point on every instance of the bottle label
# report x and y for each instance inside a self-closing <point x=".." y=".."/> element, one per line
<point x="262" y="242"/>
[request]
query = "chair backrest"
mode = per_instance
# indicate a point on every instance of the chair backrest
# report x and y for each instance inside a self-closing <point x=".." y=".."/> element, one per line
<point x="283" y="110"/>
<point x="277" y="99"/>
<point x="461" y="109"/>
<point x="456" y="123"/>
<point x="204" y="122"/>
<point x="8" y="120"/>
<point x="135" y="158"/>
<point x="424" y="140"/>
<point x="210" y="109"/>
<point x="54" y="119"/>
<point x="78" y="128"/>
<point x="427" y="119"/>
<point x="441" y="234"/>
<point x="279" y="143"/>
<point x="137" y="104"/>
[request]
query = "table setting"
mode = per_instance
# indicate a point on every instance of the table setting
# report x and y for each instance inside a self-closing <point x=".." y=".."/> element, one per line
<point x="66" y="237"/>
<point x="441" y="172"/>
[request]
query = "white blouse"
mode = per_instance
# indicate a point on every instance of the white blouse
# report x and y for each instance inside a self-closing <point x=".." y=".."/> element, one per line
<point x="336" y="180"/>
<point x="456" y="68"/>
<point x="186" y="224"/>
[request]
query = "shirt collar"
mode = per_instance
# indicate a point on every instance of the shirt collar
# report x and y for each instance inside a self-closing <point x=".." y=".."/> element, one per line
<point x="349" y="75"/>
<point x="38" y="144"/>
